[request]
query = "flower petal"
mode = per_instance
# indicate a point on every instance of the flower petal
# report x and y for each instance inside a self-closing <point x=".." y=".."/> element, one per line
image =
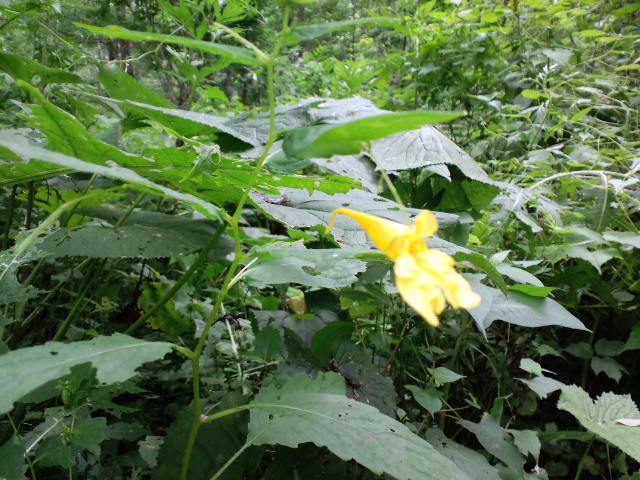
<point x="381" y="230"/>
<point x="426" y="224"/>
<point x="419" y="289"/>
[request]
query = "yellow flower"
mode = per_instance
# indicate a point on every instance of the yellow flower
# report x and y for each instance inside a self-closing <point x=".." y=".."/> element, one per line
<point x="425" y="278"/>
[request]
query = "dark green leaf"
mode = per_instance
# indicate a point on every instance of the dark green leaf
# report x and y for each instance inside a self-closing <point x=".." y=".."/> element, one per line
<point x="21" y="68"/>
<point x="122" y="86"/>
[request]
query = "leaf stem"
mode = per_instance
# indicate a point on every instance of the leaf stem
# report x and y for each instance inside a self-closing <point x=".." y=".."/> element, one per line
<point x="234" y="223"/>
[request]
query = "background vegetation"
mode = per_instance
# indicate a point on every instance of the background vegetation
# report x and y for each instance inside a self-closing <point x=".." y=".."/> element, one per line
<point x="171" y="307"/>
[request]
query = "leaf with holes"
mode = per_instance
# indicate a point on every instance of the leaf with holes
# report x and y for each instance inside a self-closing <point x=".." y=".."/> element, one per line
<point x="317" y="411"/>
<point x="115" y="358"/>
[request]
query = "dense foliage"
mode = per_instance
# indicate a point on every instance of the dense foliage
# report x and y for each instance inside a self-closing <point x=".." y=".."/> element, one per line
<point x="173" y="307"/>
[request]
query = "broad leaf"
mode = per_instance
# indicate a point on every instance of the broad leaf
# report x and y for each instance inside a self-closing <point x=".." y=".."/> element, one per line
<point x="316" y="410"/>
<point x="230" y="52"/>
<point x="12" y="459"/>
<point x="424" y="147"/>
<point x="474" y="464"/>
<point x="28" y="151"/>
<point x="119" y="84"/>
<point x="293" y="263"/>
<point x="601" y="417"/>
<point x="496" y="440"/>
<point x="298" y="208"/>
<point x="115" y="358"/>
<point x="21" y="68"/>
<point x="519" y="309"/>
<point x="351" y="137"/>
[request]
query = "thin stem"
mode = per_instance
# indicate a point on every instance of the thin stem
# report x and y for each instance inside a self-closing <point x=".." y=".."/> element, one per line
<point x="234" y="223"/>
<point x="169" y="294"/>
<point x="583" y="460"/>
<point x="7" y="225"/>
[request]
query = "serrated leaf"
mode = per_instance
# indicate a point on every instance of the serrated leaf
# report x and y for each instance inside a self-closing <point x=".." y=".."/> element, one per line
<point x="185" y="122"/>
<point x="608" y="366"/>
<point x="350" y="138"/>
<point x="115" y="357"/>
<point x="21" y="68"/>
<point x="424" y="147"/>
<point x="527" y="442"/>
<point x="293" y="263"/>
<point x="128" y="241"/>
<point x="229" y="52"/>
<point x="316" y="410"/>
<point x="626" y="238"/>
<point x="29" y="151"/>
<point x="11" y="290"/>
<point x="542" y="386"/>
<point x="600" y="417"/>
<point x="298" y="208"/>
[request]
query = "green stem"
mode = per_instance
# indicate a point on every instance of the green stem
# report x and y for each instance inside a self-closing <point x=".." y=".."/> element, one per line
<point x="234" y="223"/>
<point x="7" y="225"/>
<point x="583" y="460"/>
<point x="169" y="294"/>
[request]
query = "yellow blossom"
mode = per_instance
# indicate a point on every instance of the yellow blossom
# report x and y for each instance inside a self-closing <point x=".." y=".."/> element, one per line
<point x="425" y="278"/>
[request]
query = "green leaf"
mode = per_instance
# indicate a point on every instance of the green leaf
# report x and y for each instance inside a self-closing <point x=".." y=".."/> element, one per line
<point x="303" y="33"/>
<point x="12" y="461"/>
<point x="519" y="309"/>
<point x="316" y="410"/>
<point x="21" y="68"/>
<point x="184" y="122"/>
<point x="325" y="340"/>
<point x="631" y="239"/>
<point x="268" y="344"/>
<point x="474" y="464"/>
<point x="65" y="134"/>
<point x="527" y="442"/>
<point x="442" y="375"/>
<point x="495" y="440"/>
<point x="128" y="241"/>
<point x="11" y="290"/>
<point x="609" y="367"/>
<point x="428" y="398"/>
<point x="426" y="148"/>
<point x="534" y="94"/>
<point x="483" y="264"/>
<point x="229" y="52"/>
<point x="351" y="137"/>
<point x="600" y="417"/>
<point x="293" y="263"/>
<point x="609" y="348"/>
<point x="28" y="151"/>
<point x="633" y="342"/>
<point x="364" y="380"/>
<point x="122" y="86"/>
<point x="115" y="357"/>
<point x="298" y="208"/>
<point x="532" y="290"/>
<point x="217" y="442"/>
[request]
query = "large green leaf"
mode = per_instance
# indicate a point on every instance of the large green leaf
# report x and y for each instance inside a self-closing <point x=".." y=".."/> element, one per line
<point x="316" y="410"/>
<point x="21" y="68"/>
<point x="28" y="151"/>
<point x="302" y="33"/>
<point x="519" y="309"/>
<point x="229" y="52"/>
<point x="12" y="461"/>
<point x="11" y="290"/>
<point x="424" y="147"/>
<point x="298" y="208"/>
<point x="603" y="416"/>
<point x="474" y="464"/>
<point x="294" y="263"/>
<point x="217" y="442"/>
<point x="185" y="122"/>
<point x="115" y="358"/>
<point x="351" y="137"/>
<point x="65" y="134"/>
<point x="119" y="84"/>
